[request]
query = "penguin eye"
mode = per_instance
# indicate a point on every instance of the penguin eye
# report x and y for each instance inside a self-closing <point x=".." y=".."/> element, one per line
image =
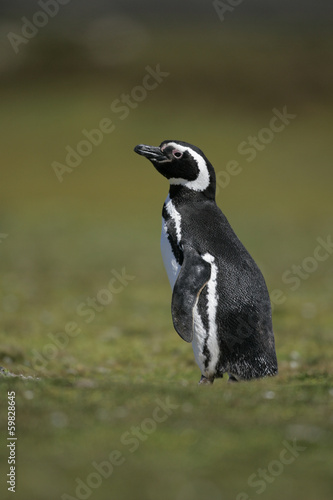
<point x="177" y="154"/>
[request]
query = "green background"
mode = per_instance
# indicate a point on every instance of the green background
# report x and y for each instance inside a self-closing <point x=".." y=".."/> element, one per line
<point x="62" y="242"/>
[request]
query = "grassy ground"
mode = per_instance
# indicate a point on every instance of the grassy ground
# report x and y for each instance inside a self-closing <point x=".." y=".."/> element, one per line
<point x="120" y="378"/>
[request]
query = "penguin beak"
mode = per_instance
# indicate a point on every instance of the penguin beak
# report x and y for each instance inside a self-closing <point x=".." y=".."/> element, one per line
<point x="151" y="152"/>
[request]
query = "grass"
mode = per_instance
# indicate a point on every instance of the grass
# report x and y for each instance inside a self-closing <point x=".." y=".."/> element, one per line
<point x="99" y="393"/>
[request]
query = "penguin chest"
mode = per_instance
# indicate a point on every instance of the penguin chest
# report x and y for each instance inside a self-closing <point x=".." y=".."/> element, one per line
<point x="171" y="264"/>
<point x="205" y="329"/>
<point x="170" y="241"/>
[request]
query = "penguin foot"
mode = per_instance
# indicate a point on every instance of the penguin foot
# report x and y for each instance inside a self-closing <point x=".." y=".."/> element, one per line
<point x="232" y="379"/>
<point x="205" y="380"/>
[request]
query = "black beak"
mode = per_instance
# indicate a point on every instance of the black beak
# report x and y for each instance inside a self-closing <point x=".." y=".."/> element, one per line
<point x="151" y="152"/>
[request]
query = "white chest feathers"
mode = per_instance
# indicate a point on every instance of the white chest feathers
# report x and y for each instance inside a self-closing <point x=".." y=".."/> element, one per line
<point x="170" y="262"/>
<point x="204" y="340"/>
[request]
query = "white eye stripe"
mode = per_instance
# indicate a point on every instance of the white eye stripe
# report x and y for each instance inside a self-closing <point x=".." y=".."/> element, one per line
<point x="203" y="179"/>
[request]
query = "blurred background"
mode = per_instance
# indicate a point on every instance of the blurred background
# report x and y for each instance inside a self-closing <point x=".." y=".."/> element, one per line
<point x="81" y="83"/>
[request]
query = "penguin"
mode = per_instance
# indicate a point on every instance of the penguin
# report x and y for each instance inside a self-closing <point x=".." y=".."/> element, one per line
<point x="220" y="302"/>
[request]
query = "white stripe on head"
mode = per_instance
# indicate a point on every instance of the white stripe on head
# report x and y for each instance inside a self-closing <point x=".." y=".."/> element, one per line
<point x="203" y="179"/>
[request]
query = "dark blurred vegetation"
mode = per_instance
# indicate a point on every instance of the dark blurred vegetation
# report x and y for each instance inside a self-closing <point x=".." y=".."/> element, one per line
<point x="252" y="61"/>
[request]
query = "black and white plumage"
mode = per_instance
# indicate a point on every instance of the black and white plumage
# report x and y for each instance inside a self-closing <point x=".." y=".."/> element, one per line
<point x="220" y="301"/>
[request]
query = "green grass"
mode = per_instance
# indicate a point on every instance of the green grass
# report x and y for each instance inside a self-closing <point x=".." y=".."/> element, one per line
<point x="65" y="240"/>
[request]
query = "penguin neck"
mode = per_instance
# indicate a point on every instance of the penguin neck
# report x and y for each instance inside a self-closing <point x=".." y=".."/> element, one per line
<point x="182" y="194"/>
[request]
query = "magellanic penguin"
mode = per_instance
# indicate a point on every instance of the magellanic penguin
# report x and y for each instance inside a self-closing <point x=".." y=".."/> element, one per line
<point x="220" y="301"/>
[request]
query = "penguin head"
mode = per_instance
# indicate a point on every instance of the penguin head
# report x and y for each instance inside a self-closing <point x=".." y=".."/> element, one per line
<point x="182" y="164"/>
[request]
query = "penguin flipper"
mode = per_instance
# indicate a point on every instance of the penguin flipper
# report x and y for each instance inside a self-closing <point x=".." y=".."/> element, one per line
<point x="193" y="277"/>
